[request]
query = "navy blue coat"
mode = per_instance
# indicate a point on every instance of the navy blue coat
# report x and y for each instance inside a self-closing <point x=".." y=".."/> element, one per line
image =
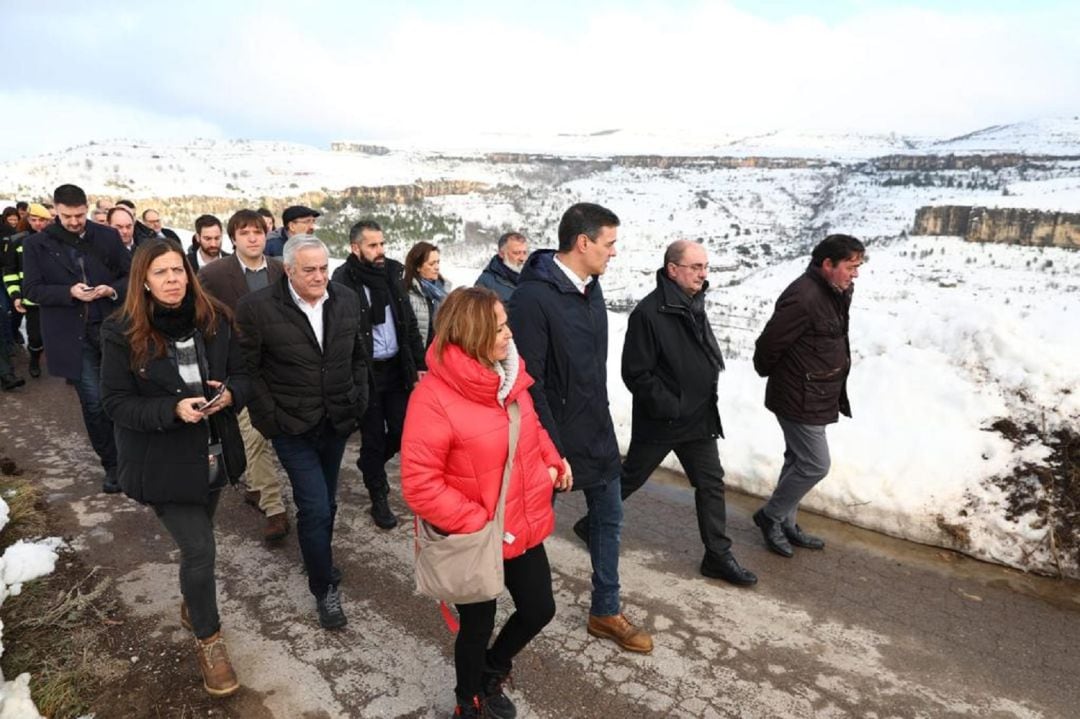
<point x="562" y="335"/>
<point x="49" y="273"/>
<point x="499" y="278"/>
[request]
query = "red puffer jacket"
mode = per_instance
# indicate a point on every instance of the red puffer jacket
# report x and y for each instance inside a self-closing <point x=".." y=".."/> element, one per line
<point x="453" y="453"/>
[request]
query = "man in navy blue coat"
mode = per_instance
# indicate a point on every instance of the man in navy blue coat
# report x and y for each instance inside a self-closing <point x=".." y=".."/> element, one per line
<point x="77" y="272"/>
<point x="559" y="322"/>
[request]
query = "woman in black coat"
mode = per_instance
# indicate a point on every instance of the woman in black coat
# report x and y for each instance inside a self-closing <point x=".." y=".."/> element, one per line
<point x="166" y="354"/>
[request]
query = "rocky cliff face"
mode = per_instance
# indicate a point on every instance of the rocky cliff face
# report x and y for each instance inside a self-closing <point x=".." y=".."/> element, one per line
<point x="1009" y="225"/>
<point x="359" y="147"/>
<point x="662" y="162"/>
<point x="182" y="211"/>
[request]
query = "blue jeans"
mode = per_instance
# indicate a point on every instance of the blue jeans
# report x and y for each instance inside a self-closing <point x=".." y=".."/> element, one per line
<point x="605" y="528"/>
<point x="312" y="460"/>
<point x="98" y="425"/>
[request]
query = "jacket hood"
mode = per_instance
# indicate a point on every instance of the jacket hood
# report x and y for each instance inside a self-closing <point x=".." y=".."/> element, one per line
<point x="471" y="379"/>
<point x="541" y="267"/>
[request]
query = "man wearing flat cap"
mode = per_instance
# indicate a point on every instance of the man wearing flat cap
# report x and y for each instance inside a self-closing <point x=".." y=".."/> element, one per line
<point x="295" y="220"/>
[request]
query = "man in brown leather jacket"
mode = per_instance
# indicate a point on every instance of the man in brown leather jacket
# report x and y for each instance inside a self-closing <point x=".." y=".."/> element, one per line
<point x="805" y="353"/>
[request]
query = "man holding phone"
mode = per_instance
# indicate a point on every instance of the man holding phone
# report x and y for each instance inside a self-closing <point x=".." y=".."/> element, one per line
<point x="77" y="271"/>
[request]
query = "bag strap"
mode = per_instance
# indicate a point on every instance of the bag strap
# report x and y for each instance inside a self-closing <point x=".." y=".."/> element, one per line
<point x="514" y="412"/>
<point x="515" y="430"/>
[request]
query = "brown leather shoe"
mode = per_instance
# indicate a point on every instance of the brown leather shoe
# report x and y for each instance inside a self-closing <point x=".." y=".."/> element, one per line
<point x="185" y="618"/>
<point x="219" y="679"/>
<point x="251" y="496"/>
<point x="619" y="629"/>
<point x="276" y="527"/>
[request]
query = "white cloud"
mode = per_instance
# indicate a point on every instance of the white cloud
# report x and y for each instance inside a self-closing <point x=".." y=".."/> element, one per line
<point x="710" y="66"/>
<point x="50" y="122"/>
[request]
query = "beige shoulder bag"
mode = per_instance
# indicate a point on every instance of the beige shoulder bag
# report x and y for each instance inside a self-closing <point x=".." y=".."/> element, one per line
<point x="466" y="568"/>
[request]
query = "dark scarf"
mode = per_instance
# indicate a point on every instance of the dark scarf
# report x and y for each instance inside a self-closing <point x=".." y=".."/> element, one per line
<point x="702" y="329"/>
<point x="61" y="234"/>
<point x="175" y="323"/>
<point x="699" y="321"/>
<point x="377" y="280"/>
<point x="83" y="245"/>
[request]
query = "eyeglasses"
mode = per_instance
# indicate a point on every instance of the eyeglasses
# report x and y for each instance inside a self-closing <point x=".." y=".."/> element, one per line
<point x="696" y="267"/>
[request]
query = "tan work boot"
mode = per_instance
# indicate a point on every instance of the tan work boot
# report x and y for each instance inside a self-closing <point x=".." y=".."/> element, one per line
<point x="185" y="618"/>
<point x="276" y="527"/>
<point x="219" y="679"/>
<point x="619" y="629"/>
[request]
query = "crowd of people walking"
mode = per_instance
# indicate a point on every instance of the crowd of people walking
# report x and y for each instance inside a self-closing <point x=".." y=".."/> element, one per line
<point x="196" y="368"/>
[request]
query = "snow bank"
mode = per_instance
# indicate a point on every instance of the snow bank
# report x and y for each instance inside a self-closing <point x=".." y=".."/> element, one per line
<point x="21" y="562"/>
<point x="945" y="342"/>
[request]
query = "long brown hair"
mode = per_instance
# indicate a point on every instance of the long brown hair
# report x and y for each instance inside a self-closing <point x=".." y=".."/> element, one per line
<point x="145" y="341"/>
<point x="467" y="319"/>
<point x="417" y="256"/>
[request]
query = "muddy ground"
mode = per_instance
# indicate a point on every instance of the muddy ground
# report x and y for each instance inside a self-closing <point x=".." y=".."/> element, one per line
<point x="870" y="627"/>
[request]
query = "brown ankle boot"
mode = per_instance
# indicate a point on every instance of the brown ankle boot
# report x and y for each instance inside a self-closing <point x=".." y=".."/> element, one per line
<point x="219" y="679"/>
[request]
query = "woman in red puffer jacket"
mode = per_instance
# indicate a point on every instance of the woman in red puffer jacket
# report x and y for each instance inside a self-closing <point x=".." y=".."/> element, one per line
<point x="453" y="453"/>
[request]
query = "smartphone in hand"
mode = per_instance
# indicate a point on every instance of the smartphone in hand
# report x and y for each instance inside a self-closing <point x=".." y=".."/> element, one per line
<point x="218" y="396"/>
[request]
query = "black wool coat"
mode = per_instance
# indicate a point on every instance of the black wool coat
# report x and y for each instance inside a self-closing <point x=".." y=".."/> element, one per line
<point x="295" y="384"/>
<point x="48" y="274"/>
<point x="562" y="335"/>
<point x="162" y="458"/>
<point x="805" y="352"/>
<point x="671" y="368"/>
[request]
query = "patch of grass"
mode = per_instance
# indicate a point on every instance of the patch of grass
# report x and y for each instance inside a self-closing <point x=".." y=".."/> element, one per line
<point x="52" y="629"/>
<point x="26" y="506"/>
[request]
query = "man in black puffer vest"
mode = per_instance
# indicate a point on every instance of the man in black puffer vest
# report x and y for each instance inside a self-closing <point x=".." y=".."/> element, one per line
<point x="304" y="350"/>
<point x="396" y="351"/>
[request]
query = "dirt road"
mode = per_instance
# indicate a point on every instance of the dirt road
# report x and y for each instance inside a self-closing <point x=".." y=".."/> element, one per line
<point x="871" y="627"/>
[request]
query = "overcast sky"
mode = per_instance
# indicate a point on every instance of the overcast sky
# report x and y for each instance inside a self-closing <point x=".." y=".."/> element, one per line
<point x="319" y="71"/>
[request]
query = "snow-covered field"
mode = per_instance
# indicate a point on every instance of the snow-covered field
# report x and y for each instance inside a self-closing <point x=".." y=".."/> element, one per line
<point x="948" y="336"/>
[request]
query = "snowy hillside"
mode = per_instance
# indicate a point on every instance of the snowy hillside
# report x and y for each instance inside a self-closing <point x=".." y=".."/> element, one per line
<point x="950" y="337"/>
<point x="1044" y="136"/>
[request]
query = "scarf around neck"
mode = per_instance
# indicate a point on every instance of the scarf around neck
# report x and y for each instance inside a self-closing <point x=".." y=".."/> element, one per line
<point x="377" y="280"/>
<point x="175" y="323"/>
<point x="507" y="370"/>
<point x="434" y="290"/>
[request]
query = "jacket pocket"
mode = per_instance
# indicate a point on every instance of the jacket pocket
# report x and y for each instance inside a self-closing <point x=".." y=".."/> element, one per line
<point x="822" y="395"/>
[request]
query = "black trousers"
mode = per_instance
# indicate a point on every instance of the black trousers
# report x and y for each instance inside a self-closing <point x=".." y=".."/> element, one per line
<point x="192" y="528"/>
<point x="701" y="460"/>
<point x="380" y="430"/>
<point x="528" y="579"/>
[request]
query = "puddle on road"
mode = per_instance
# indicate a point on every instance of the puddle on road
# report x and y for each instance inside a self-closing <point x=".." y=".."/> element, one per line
<point x="1060" y="593"/>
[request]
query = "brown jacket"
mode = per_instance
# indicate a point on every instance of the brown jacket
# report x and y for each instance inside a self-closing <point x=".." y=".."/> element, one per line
<point x="805" y="353"/>
<point x="224" y="278"/>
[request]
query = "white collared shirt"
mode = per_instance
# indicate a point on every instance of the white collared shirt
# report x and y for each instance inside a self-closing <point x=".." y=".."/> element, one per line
<point x="314" y="313"/>
<point x="581" y="284"/>
<point x="263" y="266"/>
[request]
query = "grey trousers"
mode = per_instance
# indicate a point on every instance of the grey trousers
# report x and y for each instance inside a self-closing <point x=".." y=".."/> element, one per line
<point x="192" y="528"/>
<point x="806" y="462"/>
